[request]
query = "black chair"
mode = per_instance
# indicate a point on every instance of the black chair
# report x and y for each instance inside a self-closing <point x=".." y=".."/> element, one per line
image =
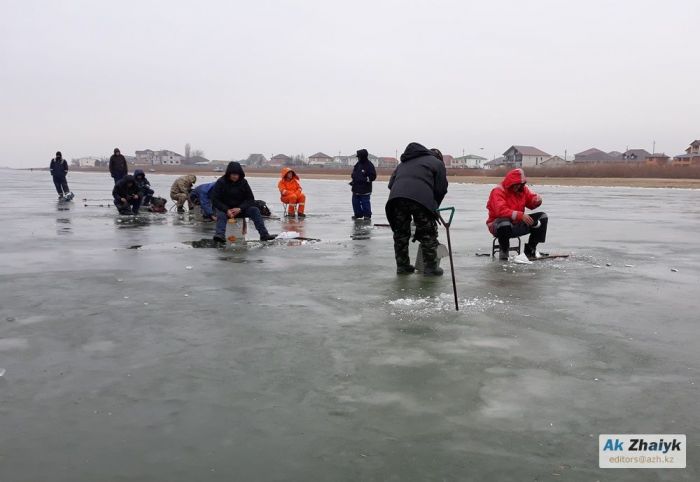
<point x="495" y="247"/>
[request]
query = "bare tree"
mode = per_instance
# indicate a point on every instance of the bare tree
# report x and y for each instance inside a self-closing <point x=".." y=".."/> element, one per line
<point x="197" y="153"/>
<point x="188" y="148"/>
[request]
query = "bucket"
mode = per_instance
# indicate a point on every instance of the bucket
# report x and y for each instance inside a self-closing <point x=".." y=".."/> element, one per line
<point x="236" y="229"/>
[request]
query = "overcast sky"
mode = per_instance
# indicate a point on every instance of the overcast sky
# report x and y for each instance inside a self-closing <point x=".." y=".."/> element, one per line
<point x="301" y="76"/>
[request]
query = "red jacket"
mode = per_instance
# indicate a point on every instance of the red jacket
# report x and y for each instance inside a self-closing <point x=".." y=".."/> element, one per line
<point x="506" y="203"/>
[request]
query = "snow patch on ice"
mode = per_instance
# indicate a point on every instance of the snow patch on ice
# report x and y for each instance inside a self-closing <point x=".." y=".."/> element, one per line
<point x="288" y="235"/>
<point x="442" y="302"/>
<point x="521" y="259"/>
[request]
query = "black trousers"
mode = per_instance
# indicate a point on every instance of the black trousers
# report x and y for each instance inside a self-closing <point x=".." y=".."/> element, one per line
<point x="61" y="185"/>
<point x="505" y="229"/>
<point x="400" y="212"/>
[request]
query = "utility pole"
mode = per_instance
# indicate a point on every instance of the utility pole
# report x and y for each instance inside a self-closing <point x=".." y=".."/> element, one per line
<point x="653" y="149"/>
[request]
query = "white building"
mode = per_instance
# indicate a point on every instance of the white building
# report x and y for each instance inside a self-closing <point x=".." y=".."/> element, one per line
<point x="164" y="157"/>
<point x="525" y="156"/>
<point x="470" y="161"/>
<point x="88" y="161"/>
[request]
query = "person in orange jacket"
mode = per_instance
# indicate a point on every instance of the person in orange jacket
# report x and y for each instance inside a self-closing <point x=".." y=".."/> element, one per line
<point x="291" y="193"/>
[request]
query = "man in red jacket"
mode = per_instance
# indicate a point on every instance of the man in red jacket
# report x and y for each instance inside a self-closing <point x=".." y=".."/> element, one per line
<point x="507" y="217"/>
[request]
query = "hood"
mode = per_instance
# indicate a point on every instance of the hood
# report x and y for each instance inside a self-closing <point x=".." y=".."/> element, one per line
<point x="414" y="150"/>
<point x="234" y="168"/>
<point x="128" y="179"/>
<point x="285" y="170"/>
<point x="515" y="176"/>
<point x="191" y="178"/>
<point x="362" y="155"/>
<point x="138" y="173"/>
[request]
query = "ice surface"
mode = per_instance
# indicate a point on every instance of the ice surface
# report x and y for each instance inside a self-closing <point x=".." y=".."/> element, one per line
<point x="314" y="361"/>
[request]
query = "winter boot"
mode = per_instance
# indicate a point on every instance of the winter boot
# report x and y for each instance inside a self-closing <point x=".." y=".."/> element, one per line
<point x="405" y="269"/>
<point x="267" y="237"/>
<point x="530" y="250"/>
<point x="503" y="254"/>
<point x="219" y="238"/>
<point x="180" y="209"/>
<point x="432" y="271"/>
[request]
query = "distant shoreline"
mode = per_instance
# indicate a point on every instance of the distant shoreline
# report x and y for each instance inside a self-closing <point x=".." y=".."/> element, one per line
<point x="475" y="178"/>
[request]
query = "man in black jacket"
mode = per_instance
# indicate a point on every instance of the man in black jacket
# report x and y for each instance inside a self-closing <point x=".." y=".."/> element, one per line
<point x="363" y="174"/>
<point x="126" y="195"/>
<point x="418" y="186"/>
<point x="232" y="197"/>
<point x="117" y="166"/>
<point x="59" y="170"/>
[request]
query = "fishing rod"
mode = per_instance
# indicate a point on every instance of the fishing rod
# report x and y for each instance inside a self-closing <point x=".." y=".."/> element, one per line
<point x="447" y="225"/>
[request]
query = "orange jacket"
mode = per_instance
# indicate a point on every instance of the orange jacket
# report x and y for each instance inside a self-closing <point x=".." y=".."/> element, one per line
<point x="289" y="187"/>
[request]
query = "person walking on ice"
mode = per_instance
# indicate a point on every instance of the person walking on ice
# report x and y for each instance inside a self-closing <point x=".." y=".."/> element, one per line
<point x="59" y="170"/>
<point x="507" y="217"/>
<point x="291" y="193"/>
<point x="417" y="188"/>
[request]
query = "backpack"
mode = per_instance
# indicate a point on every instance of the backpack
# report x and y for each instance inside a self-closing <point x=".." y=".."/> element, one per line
<point x="264" y="210"/>
<point x="157" y="205"/>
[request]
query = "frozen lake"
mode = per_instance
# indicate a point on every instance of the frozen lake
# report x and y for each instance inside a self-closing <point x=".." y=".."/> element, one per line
<point x="316" y="362"/>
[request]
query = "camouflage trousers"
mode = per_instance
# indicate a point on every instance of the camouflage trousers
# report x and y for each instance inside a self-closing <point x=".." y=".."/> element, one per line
<point x="400" y="212"/>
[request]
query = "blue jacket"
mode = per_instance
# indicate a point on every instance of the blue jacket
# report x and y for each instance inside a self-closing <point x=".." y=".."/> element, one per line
<point x="58" y="167"/>
<point x="203" y="192"/>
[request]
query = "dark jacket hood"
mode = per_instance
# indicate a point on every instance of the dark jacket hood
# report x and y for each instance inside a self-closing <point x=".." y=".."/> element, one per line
<point x="139" y="173"/>
<point x="415" y="150"/>
<point x="362" y="155"/>
<point x="128" y="179"/>
<point x="234" y="168"/>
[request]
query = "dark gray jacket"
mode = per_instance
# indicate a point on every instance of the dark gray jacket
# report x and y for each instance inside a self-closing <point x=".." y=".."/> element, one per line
<point x="420" y="177"/>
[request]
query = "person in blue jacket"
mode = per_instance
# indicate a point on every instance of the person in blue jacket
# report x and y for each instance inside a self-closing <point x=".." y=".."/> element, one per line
<point x="59" y="170"/>
<point x="144" y="187"/>
<point x="201" y="195"/>
<point x="363" y="174"/>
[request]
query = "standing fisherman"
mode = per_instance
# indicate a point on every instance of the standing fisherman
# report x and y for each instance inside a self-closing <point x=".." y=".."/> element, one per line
<point x="418" y="186"/>
<point x="59" y="170"/>
<point x="363" y="174"/>
<point x="117" y="166"/>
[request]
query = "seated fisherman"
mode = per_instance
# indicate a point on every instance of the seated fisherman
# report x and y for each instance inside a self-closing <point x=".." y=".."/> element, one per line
<point x="201" y="196"/>
<point x="291" y="193"/>
<point x="180" y="191"/>
<point x="232" y="197"/>
<point x="126" y="195"/>
<point x="144" y="187"/>
<point x="507" y="217"/>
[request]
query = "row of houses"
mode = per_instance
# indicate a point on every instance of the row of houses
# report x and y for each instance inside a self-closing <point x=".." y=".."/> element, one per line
<point x="515" y="156"/>
<point x="165" y="157"/>
<point x="321" y="159"/>
<point x="529" y="156"/>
